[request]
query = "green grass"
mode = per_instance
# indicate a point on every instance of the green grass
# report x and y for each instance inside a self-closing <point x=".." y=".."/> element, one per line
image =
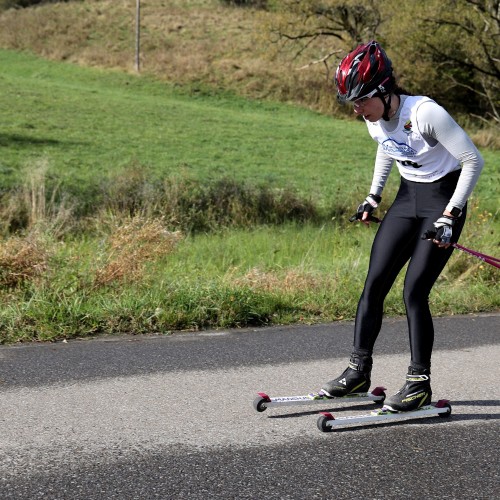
<point x="91" y="128"/>
<point x="90" y="123"/>
<point x="267" y="275"/>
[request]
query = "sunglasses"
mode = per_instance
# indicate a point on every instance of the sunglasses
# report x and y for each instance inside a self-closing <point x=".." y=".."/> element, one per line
<point x="360" y="101"/>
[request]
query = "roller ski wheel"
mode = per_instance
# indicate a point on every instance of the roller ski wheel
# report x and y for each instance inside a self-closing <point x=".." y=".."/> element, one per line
<point x="259" y="403"/>
<point x="328" y="423"/>
<point x="263" y="401"/>
<point x="445" y="414"/>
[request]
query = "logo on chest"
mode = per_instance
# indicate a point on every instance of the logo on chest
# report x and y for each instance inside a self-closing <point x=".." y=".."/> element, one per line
<point x="407" y="128"/>
<point x="393" y="147"/>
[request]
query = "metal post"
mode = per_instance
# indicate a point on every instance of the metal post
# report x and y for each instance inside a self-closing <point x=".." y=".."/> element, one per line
<point x="138" y="36"/>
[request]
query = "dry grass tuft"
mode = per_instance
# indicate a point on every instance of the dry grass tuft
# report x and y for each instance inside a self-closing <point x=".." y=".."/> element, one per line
<point x="487" y="138"/>
<point x="131" y="245"/>
<point x="291" y="281"/>
<point x="22" y="260"/>
<point x="36" y="205"/>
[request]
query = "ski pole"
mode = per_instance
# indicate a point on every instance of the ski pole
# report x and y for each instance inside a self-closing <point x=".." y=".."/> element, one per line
<point x="493" y="261"/>
<point x="485" y="258"/>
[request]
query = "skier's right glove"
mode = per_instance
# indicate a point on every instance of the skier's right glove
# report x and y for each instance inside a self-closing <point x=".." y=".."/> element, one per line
<point x="369" y="205"/>
<point x="442" y="230"/>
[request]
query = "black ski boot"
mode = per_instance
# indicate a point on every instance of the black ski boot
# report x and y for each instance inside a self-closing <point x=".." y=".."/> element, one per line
<point x="414" y="394"/>
<point x="355" y="379"/>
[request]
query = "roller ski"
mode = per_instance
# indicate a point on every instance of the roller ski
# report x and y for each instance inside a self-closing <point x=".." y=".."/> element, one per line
<point x="413" y="400"/>
<point x="263" y="401"/>
<point x="351" y="387"/>
<point x="328" y="423"/>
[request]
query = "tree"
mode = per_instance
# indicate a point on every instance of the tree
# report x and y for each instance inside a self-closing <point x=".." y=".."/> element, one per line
<point x="345" y="23"/>
<point x="450" y="48"/>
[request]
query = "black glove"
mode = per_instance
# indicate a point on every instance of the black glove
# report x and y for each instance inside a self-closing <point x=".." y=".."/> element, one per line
<point x="442" y="230"/>
<point x="369" y="205"/>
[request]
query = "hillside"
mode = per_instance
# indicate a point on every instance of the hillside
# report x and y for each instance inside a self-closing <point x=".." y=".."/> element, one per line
<point x="193" y="42"/>
<point x="208" y="45"/>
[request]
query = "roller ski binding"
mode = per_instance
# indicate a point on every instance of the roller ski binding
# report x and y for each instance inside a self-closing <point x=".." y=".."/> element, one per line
<point x="413" y="400"/>
<point x="355" y="378"/>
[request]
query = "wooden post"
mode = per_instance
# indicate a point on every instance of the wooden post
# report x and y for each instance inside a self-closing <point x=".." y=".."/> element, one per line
<point x="138" y="36"/>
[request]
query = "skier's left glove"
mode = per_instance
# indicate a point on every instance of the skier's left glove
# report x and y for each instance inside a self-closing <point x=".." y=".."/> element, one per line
<point x="370" y="203"/>
<point x="443" y="229"/>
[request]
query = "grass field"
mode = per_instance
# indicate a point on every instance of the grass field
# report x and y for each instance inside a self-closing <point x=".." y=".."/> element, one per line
<point x="73" y="139"/>
<point x="90" y="124"/>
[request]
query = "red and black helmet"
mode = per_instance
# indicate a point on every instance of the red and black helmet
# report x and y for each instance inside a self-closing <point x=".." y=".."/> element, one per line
<point x="364" y="72"/>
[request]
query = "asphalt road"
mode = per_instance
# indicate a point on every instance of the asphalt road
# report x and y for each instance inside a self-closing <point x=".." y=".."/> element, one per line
<point x="172" y="417"/>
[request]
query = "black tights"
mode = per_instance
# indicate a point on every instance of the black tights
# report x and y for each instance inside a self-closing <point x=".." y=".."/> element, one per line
<point x="416" y="207"/>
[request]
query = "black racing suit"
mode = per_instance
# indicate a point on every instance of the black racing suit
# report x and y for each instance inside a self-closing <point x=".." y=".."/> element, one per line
<point x="398" y="240"/>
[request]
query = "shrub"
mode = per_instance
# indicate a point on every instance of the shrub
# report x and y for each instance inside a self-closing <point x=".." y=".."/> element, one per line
<point x="187" y="204"/>
<point x="9" y="4"/>
<point x="257" y="4"/>
<point x="196" y="207"/>
<point x="22" y="4"/>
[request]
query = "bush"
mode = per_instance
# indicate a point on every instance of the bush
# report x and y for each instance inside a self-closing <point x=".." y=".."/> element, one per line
<point x="256" y="4"/>
<point x="186" y="204"/>
<point x="197" y="207"/>
<point x="22" y="4"/>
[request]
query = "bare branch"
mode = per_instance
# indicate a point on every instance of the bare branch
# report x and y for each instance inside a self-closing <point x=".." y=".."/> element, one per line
<point x="323" y="59"/>
<point x="469" y="65"/>
<point x="314" y="34"/>
<point x="487" y="120"/>
<point x="479" y="5"/>
<point x="485" y="94"/>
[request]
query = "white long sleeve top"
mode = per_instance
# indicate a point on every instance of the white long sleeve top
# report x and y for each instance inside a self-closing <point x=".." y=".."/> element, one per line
<point x="426" y="144"/>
